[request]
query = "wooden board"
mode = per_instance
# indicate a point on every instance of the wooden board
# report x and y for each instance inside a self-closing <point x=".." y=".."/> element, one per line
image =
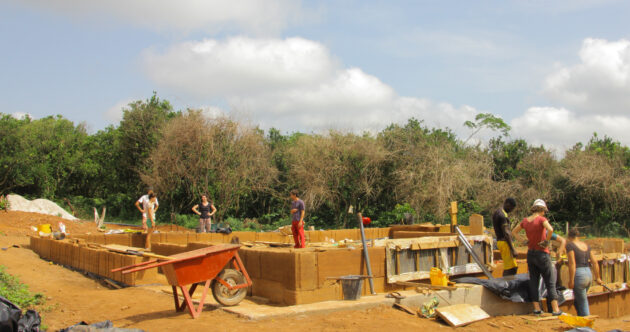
<point x="461" y="314"/>
<point x="120" y="248"/>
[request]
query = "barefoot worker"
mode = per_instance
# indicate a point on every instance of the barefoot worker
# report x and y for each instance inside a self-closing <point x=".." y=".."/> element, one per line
<point x="205" y="210"/>
<point x="297" y="220"/>
<point x="502" y="227"/>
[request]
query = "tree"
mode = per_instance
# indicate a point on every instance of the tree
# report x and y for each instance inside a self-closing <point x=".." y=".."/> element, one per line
<point x="52" y="157"/>
<point x="488" y="121"/>
<point x="506" y="156"/>
<point x="429" y="168"/>
<point x="139" y="133"/>
<point x="336" y="170"/>
<point x="219" y="157"/>
<point x="14" y="164"/>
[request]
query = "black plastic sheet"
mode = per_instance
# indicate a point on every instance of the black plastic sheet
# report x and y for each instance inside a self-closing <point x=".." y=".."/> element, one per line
<point x="513" y="288"/>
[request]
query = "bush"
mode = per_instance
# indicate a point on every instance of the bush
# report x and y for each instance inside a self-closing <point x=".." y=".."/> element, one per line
<point x="4" y="203"/>
<point x="187" y="220"/>
<point x="394" y="216"/>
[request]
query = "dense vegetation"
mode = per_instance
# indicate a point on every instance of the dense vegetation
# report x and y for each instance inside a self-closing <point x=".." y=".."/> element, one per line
<point x="403" y="170"/>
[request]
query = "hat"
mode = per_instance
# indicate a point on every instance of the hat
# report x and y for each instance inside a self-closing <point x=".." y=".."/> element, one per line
<point x="540" y="202"/>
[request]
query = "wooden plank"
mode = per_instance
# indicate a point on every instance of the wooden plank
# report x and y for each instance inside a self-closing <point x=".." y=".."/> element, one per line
<point x="404" y="308"/>
<point x="423" y="285"/>
<point x="461" y="314"/>
<point x="121" y="248"/>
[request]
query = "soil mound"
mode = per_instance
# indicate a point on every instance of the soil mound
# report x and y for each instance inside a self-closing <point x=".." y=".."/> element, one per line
<point x="44" y="206"/>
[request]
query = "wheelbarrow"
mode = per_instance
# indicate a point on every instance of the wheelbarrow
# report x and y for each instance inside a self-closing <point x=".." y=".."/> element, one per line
<point x="209" y="267"/>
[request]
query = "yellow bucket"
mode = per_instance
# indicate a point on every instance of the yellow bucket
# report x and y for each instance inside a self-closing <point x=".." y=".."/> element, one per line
<point x="438" y="278"/>
<point x="44" y="228"/>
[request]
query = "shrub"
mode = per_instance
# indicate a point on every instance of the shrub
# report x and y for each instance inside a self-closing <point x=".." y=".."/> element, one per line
<point x="4" y="203"/>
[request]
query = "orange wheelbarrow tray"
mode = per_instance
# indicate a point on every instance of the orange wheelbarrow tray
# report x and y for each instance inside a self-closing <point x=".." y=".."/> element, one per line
<point x="209" y="266"/>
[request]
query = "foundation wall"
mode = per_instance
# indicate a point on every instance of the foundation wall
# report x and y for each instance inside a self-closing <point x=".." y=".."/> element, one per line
<point x="283" y="275"/>
<point x="311" y="236"/>
<point x="97" y="261"/>
<point x="604" y="305"/>
<point x="287" y="276"/>
<point x="127" y="239"/>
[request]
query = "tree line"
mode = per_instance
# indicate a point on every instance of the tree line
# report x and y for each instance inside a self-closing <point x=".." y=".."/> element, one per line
<point x="405" y="170"/>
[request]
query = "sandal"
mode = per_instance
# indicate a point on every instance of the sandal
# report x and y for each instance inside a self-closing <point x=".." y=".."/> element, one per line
<point x="557" y="313"/>
<point x="538" y="312"/>
<point x="395" y="295"/>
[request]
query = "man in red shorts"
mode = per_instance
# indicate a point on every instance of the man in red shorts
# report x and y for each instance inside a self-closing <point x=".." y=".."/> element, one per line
<point x="297" y="220"/>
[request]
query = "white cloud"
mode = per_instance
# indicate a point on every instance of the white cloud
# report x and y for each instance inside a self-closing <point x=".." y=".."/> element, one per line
<point x="22" y="115"/>
<point x="560" y="128"/>
<point x="114" y="114"/>
<point x="292" y="84"/>
<point x="239" y="65"/>
<point x="600" y="84"/>
<point x="254" y="16"/>
<point x="211" y="112"/>
<point x="594" y="97"/>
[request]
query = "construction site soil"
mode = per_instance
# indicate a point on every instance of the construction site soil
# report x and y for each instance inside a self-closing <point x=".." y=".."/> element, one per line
<point x="73" y="297"/>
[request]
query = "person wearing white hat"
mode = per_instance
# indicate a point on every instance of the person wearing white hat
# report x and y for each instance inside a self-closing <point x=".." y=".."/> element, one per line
<point x="538" y="229"/>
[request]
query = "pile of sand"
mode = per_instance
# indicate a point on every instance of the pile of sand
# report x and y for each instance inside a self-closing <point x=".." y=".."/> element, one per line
<point x="44" y="206"/>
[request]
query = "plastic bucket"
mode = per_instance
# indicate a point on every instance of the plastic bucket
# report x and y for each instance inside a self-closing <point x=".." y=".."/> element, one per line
<point x="44" y="228"/>
<point x="351" y="287"/>
<point x="438" y="278"/>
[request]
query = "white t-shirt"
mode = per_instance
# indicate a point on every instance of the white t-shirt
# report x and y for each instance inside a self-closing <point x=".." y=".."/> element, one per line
<point x="144" y="200"/>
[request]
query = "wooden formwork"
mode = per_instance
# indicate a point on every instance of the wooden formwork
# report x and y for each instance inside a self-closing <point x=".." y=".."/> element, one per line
<point x="96" y="261"/>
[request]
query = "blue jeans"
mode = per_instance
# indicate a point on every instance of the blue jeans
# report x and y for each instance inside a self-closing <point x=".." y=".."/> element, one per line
<point x="582" y="282"/>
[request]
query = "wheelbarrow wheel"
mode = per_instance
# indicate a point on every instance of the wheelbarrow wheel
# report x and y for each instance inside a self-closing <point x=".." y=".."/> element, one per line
<point x="225" y="296"/>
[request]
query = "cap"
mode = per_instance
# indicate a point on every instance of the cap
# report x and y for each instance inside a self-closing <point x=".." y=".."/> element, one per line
<point x="540" y="202"/>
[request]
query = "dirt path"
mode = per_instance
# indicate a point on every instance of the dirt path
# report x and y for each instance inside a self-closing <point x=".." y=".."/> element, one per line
<point x="74" y="297"/>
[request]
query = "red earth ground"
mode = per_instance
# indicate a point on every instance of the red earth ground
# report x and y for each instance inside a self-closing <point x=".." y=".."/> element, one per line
<point x="72" y="297"/>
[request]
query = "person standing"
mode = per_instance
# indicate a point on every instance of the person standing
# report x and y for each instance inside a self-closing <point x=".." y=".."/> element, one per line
<point x="501" y="225"/>
<point x="150" y="205"/>
<point x="297" y="220"/>
<point x="205" y="210"/>
<point x="537" y="227"/>
<point x="580" y="256"/>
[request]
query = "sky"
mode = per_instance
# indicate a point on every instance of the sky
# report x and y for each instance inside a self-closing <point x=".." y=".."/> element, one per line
<point x="555" y="71"/>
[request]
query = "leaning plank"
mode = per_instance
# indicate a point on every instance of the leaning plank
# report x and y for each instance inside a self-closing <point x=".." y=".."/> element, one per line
<point x="461" y="314"/>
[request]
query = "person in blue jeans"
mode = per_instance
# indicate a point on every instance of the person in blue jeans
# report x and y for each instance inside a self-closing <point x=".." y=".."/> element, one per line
<point x="580" y="259"/>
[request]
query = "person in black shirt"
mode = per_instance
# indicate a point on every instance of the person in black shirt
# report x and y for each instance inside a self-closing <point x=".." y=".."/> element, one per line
<point x="580" y="259"/>
<point x="205" y="210"/>
<point x="501" y="225"/>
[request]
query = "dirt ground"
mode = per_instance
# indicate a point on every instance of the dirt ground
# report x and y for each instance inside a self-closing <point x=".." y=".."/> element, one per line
<point x="73" y="297"/>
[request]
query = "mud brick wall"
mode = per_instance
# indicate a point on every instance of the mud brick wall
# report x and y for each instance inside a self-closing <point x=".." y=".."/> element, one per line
<point x="604" y="305"/>
<point x="96" y="261"/>
<point x="289" y="277"/>
<point x="126" y="239"/>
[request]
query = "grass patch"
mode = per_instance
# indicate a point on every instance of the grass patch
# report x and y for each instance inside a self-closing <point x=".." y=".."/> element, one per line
<point x="15" y="291"/>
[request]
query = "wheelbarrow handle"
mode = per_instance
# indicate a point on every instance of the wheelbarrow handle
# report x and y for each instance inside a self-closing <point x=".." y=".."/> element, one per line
<point x="134" y="265"/>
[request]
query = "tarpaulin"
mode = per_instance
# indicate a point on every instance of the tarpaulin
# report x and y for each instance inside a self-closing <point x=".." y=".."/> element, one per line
<point x="513" y="288"/>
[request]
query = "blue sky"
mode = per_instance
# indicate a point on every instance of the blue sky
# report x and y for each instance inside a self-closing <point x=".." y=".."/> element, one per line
<point x="556" y="71"/>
